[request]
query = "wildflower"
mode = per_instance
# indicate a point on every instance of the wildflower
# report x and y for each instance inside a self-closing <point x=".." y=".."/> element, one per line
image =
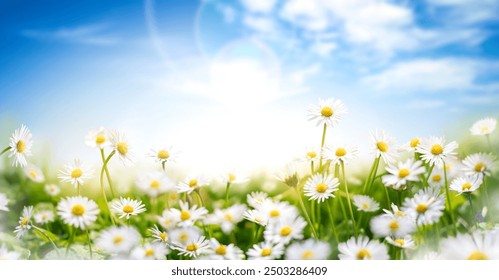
<point x="233" y="177"/>
<point x="3" y="202"/>
<point x="98" y="138"/>
<point x="24" y="222"/>
<point x="168" y="219"/>
<point x="384" y="146"/>
<point x="405" y="243"/>
<point x="150" y="251"/>
<point x="52" y="189"/>
<point x="365" y="203"/>
<point x="188" y="216"/>
<point x="402" y="173"/>
<point x="434" y="151"/>
<point x="362" y="249"/>
<point x="328" y="112"/>
<point x="256" y="199"/>
<point x="395" y="223"/>
<point x="411" y="145"/>
<point x="20" y="146"/>
<point x="476" y="246"/>
<point x="44" y="216"/>
<point x="183" y="235"/>
<point x="78" y="211"/>
<point x="121" y="146"/>
<point x="265" y="251"/>
<point x="285" y="230"/>
<point x="340" y="153"/>
<point x="118" y="239"/>
<point x="163" y="155"/>
<point x="227" y="218"/>
<point x="76" y="173"/>
<point x="127" y="207"/>
<point x="192" y="183"/>
<point x="310" y="155"/>
<point x="158" y="235"/>
<point x="426" y="207"/>
<point x="34" y="173"/>
<point x="155" y="183"/>
<point x="466" y="184"/>
<point x="309" y="249"/>
<point x="321" y="187"/>
<point x="224" y="252"/>
<point x="193" y="248"/>
<point x="256" y="216"/>
<point x="278" y="210"/>
<point x="478" y="164"/>
<point x="484" y="126"/>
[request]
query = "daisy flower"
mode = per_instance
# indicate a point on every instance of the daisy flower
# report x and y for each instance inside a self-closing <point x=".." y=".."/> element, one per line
<point x="478" y="246"/>
<point x="52" y="189"/>
<point x="309" y="249"/>
<point x="256" y="216"/>
<point x="163" y="155"/>
<point x="436" y="178"/>
<point x="78" y="211"/>
<point x="118" y="239"/>
<point x="8" y="255"/>
<point x="434" y="151"/>
<point x="155" y="183"/>
<point x="233" y="177"/>
<point x="365" y="203"/>
<point x="158" y="235"/>
<point x="278" y="210"/>
<point x="390" y="224"/>
<point x="150" y="251"/>
<point x="265" y="251"/>
<point x="3" y="202"/>
<point x="34" y="173"/>
<point x="227" y="218"/>
<point x="256" y="199"/>
<point x="224" y="252"/>
<point x="24" y="222"/>
<point x="484" y="126"/>
<point x="384" y="146"/>
<point x="403" y="173"/>
<point x="466" y="184"/>
<point x="20" y="146"/>
<point x="288" y="176"/>
<point x="192" y="183"/>
<point x="168" y="220"/>
<point x="285" y="230"/>
<point x="411" y="145"/>
<point x="188" y="216"/>
<point x="76" y="173"/>
<point x="340" y="153"/>
<point x="120" y="146"/>
<point x="362" y="249"/>
<point x="328" y="112"/>
<point x="426" y="207"/>
<point x="478" y="164"/>
<point x="309" y="155"/>
<point x="321" y="187"/>
<point x="97" y="138"/>
<point x="405" y="243"/>
<point x="44" y="217"/>
<point x="183" y="235"/>
<point x="127" y="207"/>
<point x="193" y="248"/>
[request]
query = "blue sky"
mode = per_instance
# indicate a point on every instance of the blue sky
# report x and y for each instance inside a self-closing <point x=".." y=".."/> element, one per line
<point x="230" y="81"/>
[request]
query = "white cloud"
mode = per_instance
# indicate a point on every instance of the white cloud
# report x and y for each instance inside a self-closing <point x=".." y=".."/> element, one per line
<point x="259" y="23"/>
<point x="324" y="49"/>
<point x="228" y="13"/>
<point x="426" y="104"/>
<point x="425" y="75"/>
<point x="299" y="77"/>
<point x="468" y="11"/>
<point x="308" y="14"/>
<point x="259" y="6"/>
<point x="86" y="34"/>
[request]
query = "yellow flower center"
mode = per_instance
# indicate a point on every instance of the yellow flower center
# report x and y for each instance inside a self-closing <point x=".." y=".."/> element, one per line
<point x="393" y="225"/>
<point x="382" y="146"/>
<point x="76" y="173"/>
<point x="24" y="221"/>
<point x="266" y="252"/>
<point x="229" y="217"/>
<point x="20" y="146"/>
<point x="193" y="183"/>
<point x="365" y="206"/>
<point x="274" y="213"/>
<point x="128" y="209"/>
<point x="185" y="215"/>
<point x="404" y="172"/>
<point x="173" y="196"/>
<point x="44" y="217"/>
<point x="232" y="177"/>
<point x="421" y="208"/>
<point x="477" y="256"/>
<point x="414" y="142"/>
<point x="155" y="184"/>
<point x="327" y="111"/>
<point x="122" y="148"/>
<point x="183" y="237"/>
<point x="321" y="188"/>
<point x="311" y="154"/>
<point x="192" y="247"/>
<point x="480" y="167"/>
<point x="163" y="236"/>
<point x="221" y="250"/>
<point x="400" y="213"/>
<point x="285" y="231"/>
<point x="307" y="254"/>
<point x="363" y="254"/>
<point x="436" y="178"/>
<point x="100" y="139"/>
<point x="33" y="174"/>
<point x="78" y="210"/>
<point x="340" y="152"/>
<point x="400" y="242"/>
<point x="484" y="129"/>
<point x="149" y="253"/>
<point x="437" y="149"/>
<point x="163" y="154"/>
<point x="466" y="186"/>
<point x="117" y="239"/>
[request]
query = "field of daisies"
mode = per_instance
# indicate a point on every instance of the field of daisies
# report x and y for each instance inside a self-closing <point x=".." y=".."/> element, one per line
<point x="427" y="198"/>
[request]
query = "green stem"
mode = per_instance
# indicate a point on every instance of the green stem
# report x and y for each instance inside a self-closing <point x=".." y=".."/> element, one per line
<point x="104" y="166"/>
<point x="314" y="233"/>
<point x="200" y="198"/>
<point x="485" y="192"/>
<point x="331" y="218"/>
<point x="71" y="238"/>
<point x="473" y="220"/>
<point x="312" y="167"/>
<point x="322" y="144"/>
<point x="373" y="177"/>
<point x="163" y="166"/>
<point x="89" y="244"/>
<point x="388" y="197"/>
<point x="366" y="182"/>
<point x="449" y="202"/>
<point x="4" y="150"/>
<point x="429" y="174"/>
<point x="42" y="231"/>
<point x="107" y="172"/>
<point x="227" y="194"/>
<point x="258" y="232"/>
<point x="348" y="198"/>
<point x="167" y="200"/>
